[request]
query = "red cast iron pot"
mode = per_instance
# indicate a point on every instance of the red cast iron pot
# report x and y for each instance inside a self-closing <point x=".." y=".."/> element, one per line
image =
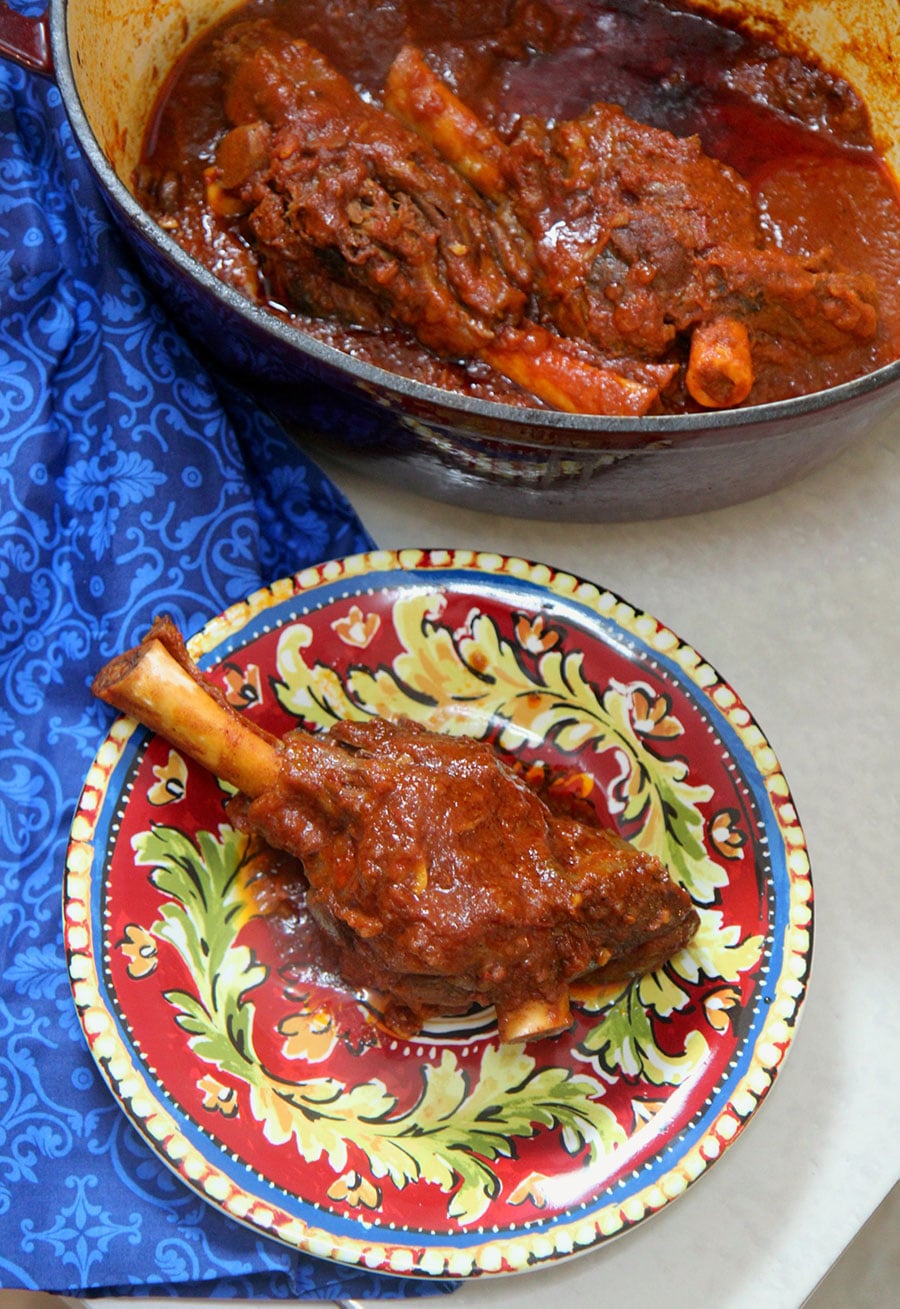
<point x="109" y="57"/>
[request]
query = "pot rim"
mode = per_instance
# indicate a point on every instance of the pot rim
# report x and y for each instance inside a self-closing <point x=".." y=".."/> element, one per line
<point x="407" y="390"/>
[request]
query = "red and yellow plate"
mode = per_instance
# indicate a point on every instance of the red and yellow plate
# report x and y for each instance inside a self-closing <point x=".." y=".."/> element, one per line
<point x="279" y="1095"/>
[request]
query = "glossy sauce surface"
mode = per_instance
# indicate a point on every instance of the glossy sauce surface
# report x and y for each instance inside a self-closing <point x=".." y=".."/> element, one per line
<point x="797" y="135"/>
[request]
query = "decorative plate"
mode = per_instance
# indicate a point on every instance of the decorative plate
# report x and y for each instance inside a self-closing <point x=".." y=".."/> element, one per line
<point x="277" y="1094"/>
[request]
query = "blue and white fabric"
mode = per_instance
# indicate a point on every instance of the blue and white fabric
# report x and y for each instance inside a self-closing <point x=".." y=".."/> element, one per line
<point x="131" y="481"/>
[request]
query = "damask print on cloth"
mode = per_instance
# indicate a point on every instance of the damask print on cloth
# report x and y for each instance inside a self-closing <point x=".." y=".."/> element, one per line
<point x="131" y="481"/>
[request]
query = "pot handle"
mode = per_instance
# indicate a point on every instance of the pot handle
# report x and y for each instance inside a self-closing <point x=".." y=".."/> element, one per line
<point x="26" y="40"/>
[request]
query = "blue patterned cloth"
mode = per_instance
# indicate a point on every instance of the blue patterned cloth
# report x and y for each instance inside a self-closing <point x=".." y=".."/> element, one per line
<point x="130" y="482"/>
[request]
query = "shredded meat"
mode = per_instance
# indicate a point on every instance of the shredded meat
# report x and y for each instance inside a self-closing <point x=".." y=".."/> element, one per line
<point x="349" y="204"/>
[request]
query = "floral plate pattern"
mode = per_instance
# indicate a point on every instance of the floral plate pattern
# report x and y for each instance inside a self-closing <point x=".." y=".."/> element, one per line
<point x="278" y="1095"/>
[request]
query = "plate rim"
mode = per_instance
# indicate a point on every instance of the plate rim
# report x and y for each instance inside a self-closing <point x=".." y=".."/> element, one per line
<point x="475" y="1253"/>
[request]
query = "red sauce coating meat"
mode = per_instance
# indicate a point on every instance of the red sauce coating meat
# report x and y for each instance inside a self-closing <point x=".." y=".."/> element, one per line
<point x="445" y="881"/>
<point x="602" y="207"/>
<point x="441" y="878"/>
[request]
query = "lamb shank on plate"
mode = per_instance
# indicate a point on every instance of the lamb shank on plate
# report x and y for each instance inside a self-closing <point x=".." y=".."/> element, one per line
<point x="444" y="880"/>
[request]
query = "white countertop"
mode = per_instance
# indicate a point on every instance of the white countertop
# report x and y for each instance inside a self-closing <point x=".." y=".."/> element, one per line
<point x="794" y="599"/>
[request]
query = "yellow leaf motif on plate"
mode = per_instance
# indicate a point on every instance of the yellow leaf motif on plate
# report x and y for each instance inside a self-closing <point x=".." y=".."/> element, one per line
<point x="458" y="1125"/>
<point x="171" y="781"/>
<point x="139" y="948"/>
<point x="355" y="1191"/>
<point x="717" y="951"/>
<point x="310" y="1034"/>
<point x="532" y="1189"/>
<point x="357" y="628"/>
<point x="659" y="992"/>
<point x="218" y="1098"/>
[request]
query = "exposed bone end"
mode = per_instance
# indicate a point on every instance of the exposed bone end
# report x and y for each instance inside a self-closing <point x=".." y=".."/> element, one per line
<point x="156" y="684"/>
<point x="720" y="367"/>
<point x="421" y="100"/>
<point x="534" y="1019"/>
<point x="557" y="371"/>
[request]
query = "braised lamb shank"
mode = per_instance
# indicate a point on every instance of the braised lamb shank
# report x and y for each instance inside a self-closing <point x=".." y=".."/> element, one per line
<point x="637" y="237"/>
<point x="447" y="882"/>
<point x="582" y="259"/>
<point x="353" y="216"/>
<point x="444" y="880"/>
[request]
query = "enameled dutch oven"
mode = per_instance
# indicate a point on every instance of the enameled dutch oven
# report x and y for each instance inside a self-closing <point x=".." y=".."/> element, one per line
<point x="109" y="57"/>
